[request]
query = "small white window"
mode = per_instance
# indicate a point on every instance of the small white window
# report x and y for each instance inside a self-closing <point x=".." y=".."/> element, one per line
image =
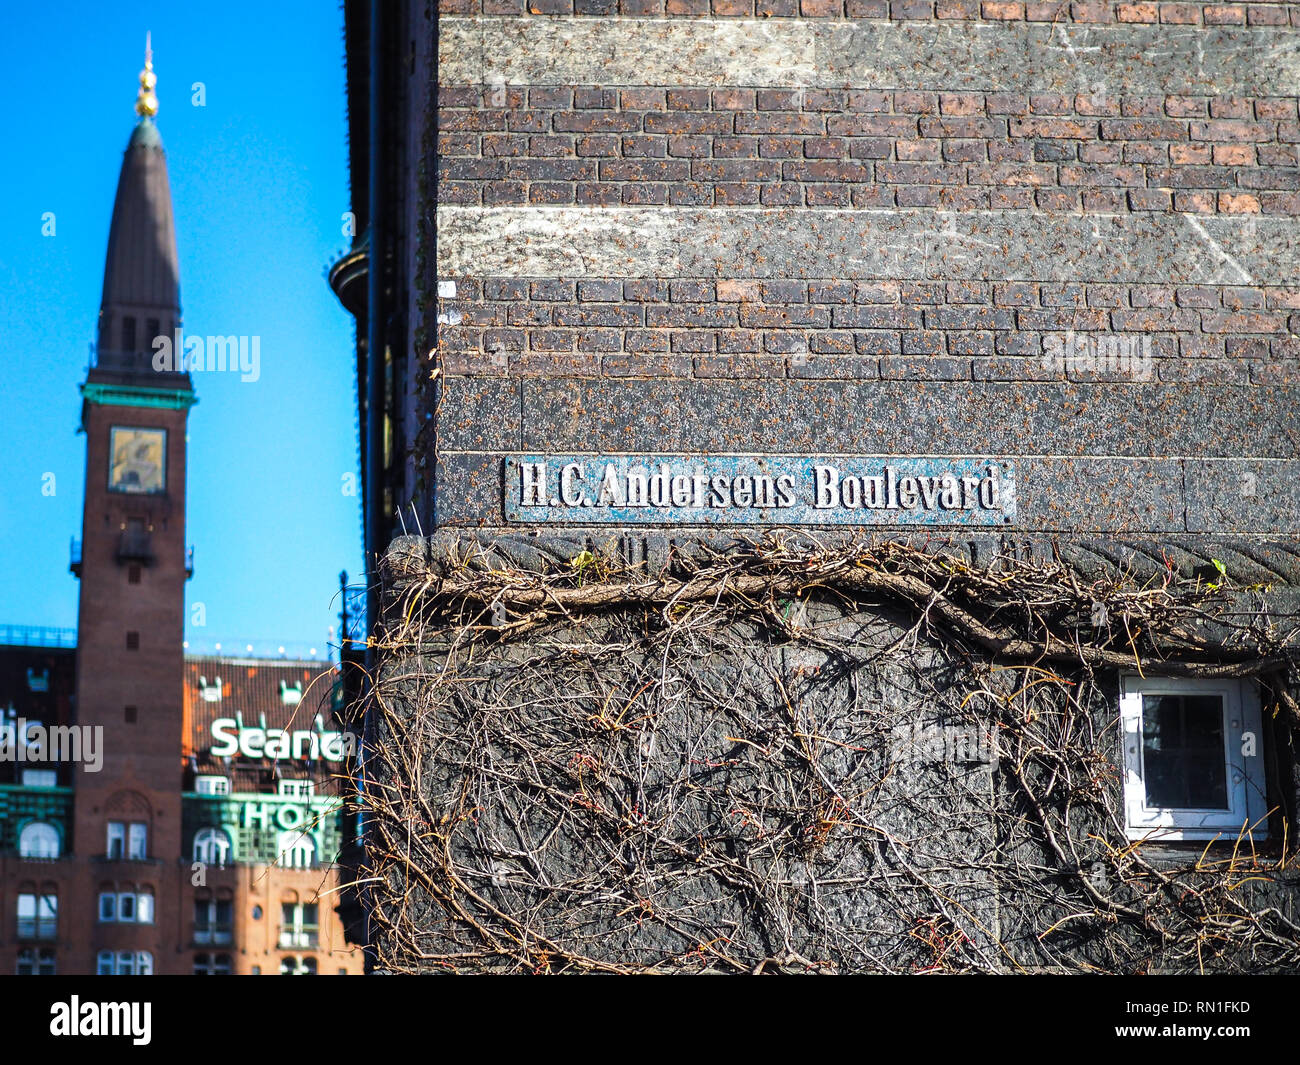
<point x="297" y="850"/>
<point x="212" y="785"/>
<point x="105" y="964"/>
<point x="126" y="906"/>
<point x="108" y="906"/>
<point x="211" y="846"/>
<point x="38" y="839"/>
<point x="1192" y="759"/>
<point x="40" y="778"/>
<point x="116" y="840"/>
<point x="302" y="789"/>
<point x="138" y="841"/>
<point x="144" y="907"/>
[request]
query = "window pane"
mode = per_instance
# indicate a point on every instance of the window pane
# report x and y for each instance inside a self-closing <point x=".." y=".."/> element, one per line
<point x="139" y="840"/>
<point x="1184" y="762"/>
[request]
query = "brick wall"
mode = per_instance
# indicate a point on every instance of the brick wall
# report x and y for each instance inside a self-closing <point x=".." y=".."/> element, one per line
<point x="1058" y="231"/>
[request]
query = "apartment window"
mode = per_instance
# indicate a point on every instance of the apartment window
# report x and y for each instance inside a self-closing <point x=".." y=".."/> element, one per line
<point x="40" y="778"/>
<point x="213" y="921"/>
<point x="297" y="850"/>
<point x="1192" y="758"/>
<point x="212" y="785"/>
<point x="211" y="964"/>
<point x="38" y="915"/>
<point x="291" y="966"/>
<point x="124" y="963"/>
<point x="137" y="848"/>
<point x="116" y="839"/>
<point x="131" y="907"/>
<point x="298" y="924"/>
<point x="38" y="839"/>
<point x="35" y="961"/>
<point x="211" y="846"/>
<point x="299" y="789"/>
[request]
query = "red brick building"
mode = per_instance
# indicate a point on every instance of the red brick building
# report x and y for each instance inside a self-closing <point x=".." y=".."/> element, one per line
<point x="134" y="838"/>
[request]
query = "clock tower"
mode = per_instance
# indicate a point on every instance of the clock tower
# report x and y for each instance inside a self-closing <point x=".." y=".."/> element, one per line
<point x="133" y="562"/>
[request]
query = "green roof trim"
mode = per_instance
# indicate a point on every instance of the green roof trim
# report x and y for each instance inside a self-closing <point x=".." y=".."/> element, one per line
<point x="135" y="396"/>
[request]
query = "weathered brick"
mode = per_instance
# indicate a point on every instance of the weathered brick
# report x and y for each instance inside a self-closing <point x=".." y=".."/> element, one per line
<point x="1225" y="15"/>
<point x="1238" y="203"/>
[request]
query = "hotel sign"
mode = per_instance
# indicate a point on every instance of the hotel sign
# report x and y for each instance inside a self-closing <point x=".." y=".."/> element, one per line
<point x="229" y="740"/>
<point x="758" y="490"/>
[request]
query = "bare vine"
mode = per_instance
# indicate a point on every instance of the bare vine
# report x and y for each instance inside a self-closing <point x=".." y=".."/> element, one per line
<point x="731" y="766"/>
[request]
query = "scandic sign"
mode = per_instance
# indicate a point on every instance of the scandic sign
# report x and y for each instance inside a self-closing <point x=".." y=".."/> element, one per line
<point x="299" y="745"/>
<point x="764" y="490"/>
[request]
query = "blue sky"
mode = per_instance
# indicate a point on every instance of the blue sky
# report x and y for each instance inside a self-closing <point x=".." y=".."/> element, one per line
<point x="259" y="185"/>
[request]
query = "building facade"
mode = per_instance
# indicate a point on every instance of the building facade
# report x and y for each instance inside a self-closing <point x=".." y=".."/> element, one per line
<point x="133" y="839"/>
<point x="835" y="468"/>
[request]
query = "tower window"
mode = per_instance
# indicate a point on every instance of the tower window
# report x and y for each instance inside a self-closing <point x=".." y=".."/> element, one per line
<point x="128" y="333"/>
<point x="133" y="641"/>
<point x="151" y="327"/>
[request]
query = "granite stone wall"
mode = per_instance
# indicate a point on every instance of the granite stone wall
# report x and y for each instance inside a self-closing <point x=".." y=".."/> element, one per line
<point x="1062" y="237"/>
<point x="1065" y="233"/>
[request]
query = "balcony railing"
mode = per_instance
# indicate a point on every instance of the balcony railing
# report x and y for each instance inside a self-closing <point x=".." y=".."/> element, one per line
<point x="219" y="936"/>
<point x="307" y="936"/>
<point x="132" y="546"/>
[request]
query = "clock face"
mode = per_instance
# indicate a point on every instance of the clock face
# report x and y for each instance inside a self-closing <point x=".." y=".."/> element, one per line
<point x="137" y="460"/>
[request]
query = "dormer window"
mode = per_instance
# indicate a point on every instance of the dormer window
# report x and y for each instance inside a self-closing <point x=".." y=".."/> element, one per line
<point x="291" y="695"/>
<point x="210" y="692"/>
<point x="212" y="785"/>
<point x="298" y="789"/>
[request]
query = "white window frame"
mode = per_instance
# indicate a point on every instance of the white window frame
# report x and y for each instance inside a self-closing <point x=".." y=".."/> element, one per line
<point x="296" y="788"/>
<point x="116" y="834"/>
<point x="137" y="845"/>
<point x="39" y="839"/>
<point x="124" y="963"/>
<point x="295" y="929"/>
<point x="212" y="785"/>
<point x="1244" y="773"/>
<point x="297" y="849"/>
<point x="40" y="778"/>
<point x="211" y="929"/>
<point x="107" y="906"/>
<point x="212" y="846"/>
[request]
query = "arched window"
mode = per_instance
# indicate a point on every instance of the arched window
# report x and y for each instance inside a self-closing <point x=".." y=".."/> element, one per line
<point x="211" y="846"/>
<point x="297" y="850"/>
<point x="39" y="839"/>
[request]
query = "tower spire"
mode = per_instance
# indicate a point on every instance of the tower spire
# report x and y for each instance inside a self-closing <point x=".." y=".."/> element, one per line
<point x="146" y="103"/>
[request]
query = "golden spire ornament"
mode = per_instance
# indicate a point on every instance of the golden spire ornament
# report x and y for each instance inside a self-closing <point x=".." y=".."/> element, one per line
<point x="146" y="103"/>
